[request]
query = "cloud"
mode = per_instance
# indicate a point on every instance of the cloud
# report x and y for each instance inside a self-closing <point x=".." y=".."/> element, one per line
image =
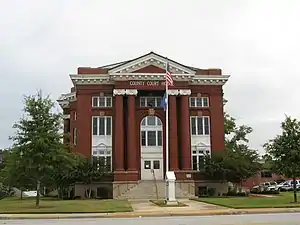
<point x="254" y="41"/>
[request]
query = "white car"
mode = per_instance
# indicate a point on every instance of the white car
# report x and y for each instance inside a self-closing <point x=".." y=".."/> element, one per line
<point x="288" y="185"/>
<point x="266" y="186"/>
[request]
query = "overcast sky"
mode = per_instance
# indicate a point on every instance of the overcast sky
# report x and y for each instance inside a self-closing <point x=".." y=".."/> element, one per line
<point x="255" y="41"/>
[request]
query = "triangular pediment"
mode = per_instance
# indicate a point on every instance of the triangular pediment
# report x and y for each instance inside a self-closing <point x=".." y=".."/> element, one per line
<point x="201" y="145"/>
<point x="154" y="61"/>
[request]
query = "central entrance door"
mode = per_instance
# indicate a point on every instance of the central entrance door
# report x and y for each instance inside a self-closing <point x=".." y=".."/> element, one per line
<point x="151" y="148"/>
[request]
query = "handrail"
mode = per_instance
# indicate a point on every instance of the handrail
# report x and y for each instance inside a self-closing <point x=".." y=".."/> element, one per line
<point x="155" y="184"/>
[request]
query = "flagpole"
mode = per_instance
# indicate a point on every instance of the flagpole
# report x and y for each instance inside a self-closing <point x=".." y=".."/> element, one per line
<point x="167" y="124"/>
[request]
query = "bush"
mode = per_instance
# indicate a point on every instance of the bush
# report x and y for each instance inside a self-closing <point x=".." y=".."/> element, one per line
<point x="236" y="194"/>
<point x="271" y="192"/>
<point x="211" y="192"/>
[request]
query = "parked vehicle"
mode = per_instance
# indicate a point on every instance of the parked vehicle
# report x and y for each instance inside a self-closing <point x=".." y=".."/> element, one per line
<point x="288" y="185"/>
<point x="265" y="187"/>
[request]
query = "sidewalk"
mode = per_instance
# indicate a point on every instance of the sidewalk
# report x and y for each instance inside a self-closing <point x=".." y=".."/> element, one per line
<point x="151" y="213"/>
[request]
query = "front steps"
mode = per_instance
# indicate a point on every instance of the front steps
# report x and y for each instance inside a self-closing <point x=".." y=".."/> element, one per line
<point x="147" y="190"/>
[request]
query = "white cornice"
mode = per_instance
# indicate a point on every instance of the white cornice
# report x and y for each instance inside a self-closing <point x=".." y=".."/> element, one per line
<point x="65" y="99"/>
<point x="209" y="80"/>
<point x="151" y="59"/>
<point x="90" y="79"/>
<point x="110" y="79"/>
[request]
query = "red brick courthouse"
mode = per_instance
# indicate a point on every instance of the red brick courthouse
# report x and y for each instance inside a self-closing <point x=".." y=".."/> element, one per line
<point x="114" y="112"/>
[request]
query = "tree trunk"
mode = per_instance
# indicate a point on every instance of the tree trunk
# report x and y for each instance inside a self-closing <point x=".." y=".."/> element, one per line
<point x="295" y="189"/>
<point x="21" y="194"/>
<point x="37" y="200"/>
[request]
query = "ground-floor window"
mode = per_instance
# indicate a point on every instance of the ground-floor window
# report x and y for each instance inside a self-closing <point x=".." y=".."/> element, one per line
<point x="102" y="157"/>
<point x="198" y="157"/>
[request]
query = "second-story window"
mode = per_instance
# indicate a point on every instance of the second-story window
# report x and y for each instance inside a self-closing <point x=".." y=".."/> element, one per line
<point x="150" y="101"/>
<point x="199" y="102"/>
<point x="105" y="101"/>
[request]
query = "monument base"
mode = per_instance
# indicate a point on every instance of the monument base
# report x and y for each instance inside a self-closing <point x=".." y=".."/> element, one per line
<point x="171" y="203"/>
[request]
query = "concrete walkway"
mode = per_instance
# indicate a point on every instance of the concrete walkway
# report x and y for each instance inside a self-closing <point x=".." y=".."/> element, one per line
<point x="147" y="206"/>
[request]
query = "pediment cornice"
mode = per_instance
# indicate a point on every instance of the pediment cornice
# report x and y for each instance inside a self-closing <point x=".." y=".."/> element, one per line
<point x="154" y="60"/>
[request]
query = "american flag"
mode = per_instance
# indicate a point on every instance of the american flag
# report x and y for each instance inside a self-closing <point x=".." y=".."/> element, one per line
<point x="169" y="78"/>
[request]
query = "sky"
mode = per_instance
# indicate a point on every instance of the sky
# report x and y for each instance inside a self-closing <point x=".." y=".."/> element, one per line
<point x="254" y="41"/>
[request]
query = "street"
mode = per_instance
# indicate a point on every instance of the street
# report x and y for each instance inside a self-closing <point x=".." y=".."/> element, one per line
<point x="255" y="219"/>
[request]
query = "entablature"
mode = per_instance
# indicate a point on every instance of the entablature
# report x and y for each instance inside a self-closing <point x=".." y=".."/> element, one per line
<point x="65" y="99"/>
<point x="192" y="79"/>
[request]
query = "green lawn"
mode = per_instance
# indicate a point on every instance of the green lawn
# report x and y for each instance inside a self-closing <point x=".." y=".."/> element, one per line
<point x="27" y="205"/>
<point x="284" y="200"/>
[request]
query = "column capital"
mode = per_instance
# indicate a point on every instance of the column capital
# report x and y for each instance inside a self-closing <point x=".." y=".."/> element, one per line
<point x="173" y="92"/>
<point x="185" y="92"/>
<point x="119" y="92"/>
<point x="131" y="91"/>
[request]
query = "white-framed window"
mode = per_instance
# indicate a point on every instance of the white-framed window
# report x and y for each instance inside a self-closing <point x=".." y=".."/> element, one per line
<point x="151" y="121"/>
<point x="199" y="102"/>
<point x="200" y="125"/>
<point x="199" y="154"/>
<point x="75" y="135"/>
<point x="105" y="101"/>
<point x="151" y="137"/>
<point x="151" y="131"/>
<point x="150" y="101"/>
<point x="102" y="157"/>
<point x="102" y="125"/>
<point x="75" y="115"/>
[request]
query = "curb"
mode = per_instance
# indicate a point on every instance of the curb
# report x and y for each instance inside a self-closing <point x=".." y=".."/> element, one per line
<point x="146" y="214"/>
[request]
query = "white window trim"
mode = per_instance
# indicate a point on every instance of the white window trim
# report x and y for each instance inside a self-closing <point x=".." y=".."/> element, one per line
<point x="156" y="105"/>
<point x="105" y="125"/>
<point x="196" y="117"/>
<point x="75" y="115"/>
<point x="202" y="100"/>
<point x="105" y="101"/>
<point x="196" y="151"/>
<point x="104" y="155"/>
<point x="156" y="138"/>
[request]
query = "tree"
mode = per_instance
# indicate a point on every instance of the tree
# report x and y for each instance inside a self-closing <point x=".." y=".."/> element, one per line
<point x="89" y="171"/>
<point x="283" y="152"/>
<point x="61" y="173"/>
<point x="237" y="162"/>
<point x="39" y="138"/>
<point x="13" y="174"/>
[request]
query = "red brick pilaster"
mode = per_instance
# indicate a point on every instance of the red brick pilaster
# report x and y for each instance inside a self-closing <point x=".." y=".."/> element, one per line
<point x="118" y="153"/>
<point x="131" y="132"/>
<point x="185" y="147"/>
<point x="173" y="134"/>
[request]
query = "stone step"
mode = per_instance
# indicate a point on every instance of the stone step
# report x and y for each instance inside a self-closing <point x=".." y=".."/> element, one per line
<point x="147" y="190"/>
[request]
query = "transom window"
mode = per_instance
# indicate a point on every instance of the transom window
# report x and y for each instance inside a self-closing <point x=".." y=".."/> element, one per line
<point x="150" y="101"/>
<point x="102" y="157"/>
<point x="200" y="125"/>
<point x="151" y="121"/>
<point x="102" y="125"/>
<point x="198" y="157"/>
<point x="199" y="102"/>
<point x="105" y="101"/>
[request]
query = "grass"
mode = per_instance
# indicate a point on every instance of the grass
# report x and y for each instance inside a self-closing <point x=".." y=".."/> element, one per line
<point x="283" y="200"/>
<point x="50" y="205"/>
<point x="163" y="203"/>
